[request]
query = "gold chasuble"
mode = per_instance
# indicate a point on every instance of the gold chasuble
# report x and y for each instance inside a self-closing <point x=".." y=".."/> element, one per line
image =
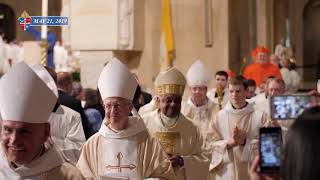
<point x="127" y="154"/>
<point x="181" y="138"/>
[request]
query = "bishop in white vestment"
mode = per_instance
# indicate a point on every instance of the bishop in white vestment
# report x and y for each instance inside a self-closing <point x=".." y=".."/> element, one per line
<point x="128" y="154"/>
<point x="26" y="152"/>
<point x="123" y="148"/>
<point x="199" y="108"/>
<point x="179" y="137"/>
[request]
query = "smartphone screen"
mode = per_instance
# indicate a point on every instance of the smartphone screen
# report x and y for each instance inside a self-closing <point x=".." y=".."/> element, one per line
<point x="289" y="106"/>
<point x="270" y="149"/>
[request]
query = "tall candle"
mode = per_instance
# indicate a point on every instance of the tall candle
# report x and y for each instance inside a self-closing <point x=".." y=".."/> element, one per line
<point x="44" y="28"/>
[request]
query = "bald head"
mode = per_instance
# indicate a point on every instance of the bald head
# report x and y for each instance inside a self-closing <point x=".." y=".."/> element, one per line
<point x="64" y="81"/>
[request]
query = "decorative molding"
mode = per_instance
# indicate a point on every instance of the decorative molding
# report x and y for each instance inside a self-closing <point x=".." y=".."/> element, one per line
<point x="208" y="23"/>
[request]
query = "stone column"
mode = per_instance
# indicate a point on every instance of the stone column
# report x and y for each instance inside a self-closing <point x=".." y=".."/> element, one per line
<point x="252" y="24"/>
<point x="265" y="23"/>
<point x="65" y="30"/>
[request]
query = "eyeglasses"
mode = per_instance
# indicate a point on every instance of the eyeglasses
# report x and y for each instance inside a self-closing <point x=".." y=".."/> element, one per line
<point x="115" y="105"/>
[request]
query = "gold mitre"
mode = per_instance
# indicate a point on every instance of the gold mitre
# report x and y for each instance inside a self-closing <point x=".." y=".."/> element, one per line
<point x="171" y="81"/>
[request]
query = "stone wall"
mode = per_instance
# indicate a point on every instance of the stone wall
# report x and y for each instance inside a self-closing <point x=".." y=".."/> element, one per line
<point x="188" y="20"/>
<point x="188" y="28"/>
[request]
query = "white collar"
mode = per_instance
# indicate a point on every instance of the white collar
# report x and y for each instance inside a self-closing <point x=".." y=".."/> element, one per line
<point x="135" y="126"/>
<point x="47" y="161"/>
<point x="167" y="121"/>
<point x="198" y="108"/>
<point x="248" y="109"/>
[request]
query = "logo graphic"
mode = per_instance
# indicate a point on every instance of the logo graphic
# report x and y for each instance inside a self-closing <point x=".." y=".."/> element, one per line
<point x="25" y="21"/>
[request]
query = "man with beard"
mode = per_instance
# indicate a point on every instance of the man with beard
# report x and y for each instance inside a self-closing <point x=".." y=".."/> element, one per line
<point x="179" y="137"/>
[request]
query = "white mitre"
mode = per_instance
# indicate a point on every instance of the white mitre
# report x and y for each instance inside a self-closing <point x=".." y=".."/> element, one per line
<point x="45" y="77"/>
<point x="198" y="75"/>
<point x="24" y="97"/>
<point x="171" y="81"/>
<point x="117" y="81"/>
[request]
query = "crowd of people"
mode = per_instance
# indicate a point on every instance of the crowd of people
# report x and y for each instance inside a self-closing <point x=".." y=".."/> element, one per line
<point x="61" y="58"/>
<point x="52" y="128"/>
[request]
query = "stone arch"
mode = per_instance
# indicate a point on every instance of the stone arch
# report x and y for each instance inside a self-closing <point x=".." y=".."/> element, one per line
<point x="8" y="22"/>
<point x="311" y="40"/>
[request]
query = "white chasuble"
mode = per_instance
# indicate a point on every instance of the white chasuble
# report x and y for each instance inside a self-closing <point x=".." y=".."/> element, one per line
<point x="122" y="159"/>
<point x="181" y="138"/>
<point x="127" y="154"/>
<point x="67" y="132"/>
<point x="233" y="164"/>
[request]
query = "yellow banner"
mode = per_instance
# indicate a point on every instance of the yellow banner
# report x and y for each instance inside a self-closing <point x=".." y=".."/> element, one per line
<point x="167" y="50"/>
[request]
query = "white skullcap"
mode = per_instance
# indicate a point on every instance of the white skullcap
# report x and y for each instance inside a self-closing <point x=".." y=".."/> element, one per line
<point x="45" y="77"/>
<point x="24" y="96"/>
<point x="117" y="81"/>
<point x="198" y="75"/>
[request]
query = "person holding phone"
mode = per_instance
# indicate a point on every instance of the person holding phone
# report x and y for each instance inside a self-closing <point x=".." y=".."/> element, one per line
<point x="301" y="159"/>
<point x="237" y="126"/>
<point x="274" y="87"/>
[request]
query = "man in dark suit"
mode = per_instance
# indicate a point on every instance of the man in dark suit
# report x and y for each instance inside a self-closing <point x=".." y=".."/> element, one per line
<point x="64" y="83"/>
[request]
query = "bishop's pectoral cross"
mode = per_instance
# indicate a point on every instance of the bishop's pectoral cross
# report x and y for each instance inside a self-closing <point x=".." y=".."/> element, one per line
<point x="119" y="167"/>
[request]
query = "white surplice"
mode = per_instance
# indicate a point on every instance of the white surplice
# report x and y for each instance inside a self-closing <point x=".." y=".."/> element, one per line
<point x="232" y="164"/>
<point x="261" y="103"/>
<point x="201" y="116"/>
<point x="292" y="79"/>
<point x="212" y="96"/>
<point x="128" y="154"/>
<point x="67" y="132"/>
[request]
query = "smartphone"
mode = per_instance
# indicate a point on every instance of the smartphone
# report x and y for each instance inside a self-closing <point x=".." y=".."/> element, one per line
<point x="270" y="145"/>
<point x="289" y="106"/>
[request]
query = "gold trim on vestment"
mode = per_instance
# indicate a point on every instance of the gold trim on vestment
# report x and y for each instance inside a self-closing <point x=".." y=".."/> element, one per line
<point x="170" y="89"/>
<point x="168" y="141"/>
